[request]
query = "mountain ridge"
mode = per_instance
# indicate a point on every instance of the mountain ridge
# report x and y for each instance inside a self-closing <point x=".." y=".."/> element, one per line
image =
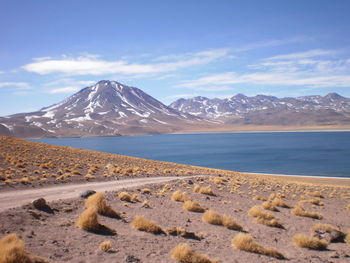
<point x="110" y="108"/>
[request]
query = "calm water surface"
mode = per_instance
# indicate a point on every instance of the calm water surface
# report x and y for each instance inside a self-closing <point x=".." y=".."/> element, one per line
<point x="296" y="153"/>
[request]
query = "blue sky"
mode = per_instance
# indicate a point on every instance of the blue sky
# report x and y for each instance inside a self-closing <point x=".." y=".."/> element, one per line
<point x="172" y="49"/>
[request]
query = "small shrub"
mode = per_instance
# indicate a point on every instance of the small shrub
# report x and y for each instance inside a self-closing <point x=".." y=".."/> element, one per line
<point x="146" y="191"/>
<point x="298" y="210"/>
<point x="97" y="200"/>
<point x="269" y="206"/>
<point x="212" y="217"/>
<point x="256" y="211"/>
<point x="313" y="201"/>
<point x="196" y="188"/>
<point x="185" y="254"/>
<point x="124" y="196"/>
<point x="206" y="191"/>
<point x="193" y="206"/>
<point x="347" y="238"/>
<point x="245" y="242"/>
<point x="143" y="224"/>
<point x="145" y="204"/>
<point x="105" y="246"/>
<point x="260" y="198"/>
<point x="12" y="250"/>
<point x="180" y="196"/>
<point x="315" y="194"/>
<point x="229" y="223"/>
<point x="269" y="222"/>
<point x="302" y="240"/>
<point x="279" y="202"/>
<point x="88" y="220"/>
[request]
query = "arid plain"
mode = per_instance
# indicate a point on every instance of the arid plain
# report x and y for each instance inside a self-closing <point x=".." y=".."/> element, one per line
<point x="222" y="216"/>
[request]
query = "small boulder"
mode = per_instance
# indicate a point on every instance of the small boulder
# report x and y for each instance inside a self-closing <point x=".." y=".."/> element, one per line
<point x="332" y="236"/>
<point x="87" y="193"/>
<point x="39" y="204"/>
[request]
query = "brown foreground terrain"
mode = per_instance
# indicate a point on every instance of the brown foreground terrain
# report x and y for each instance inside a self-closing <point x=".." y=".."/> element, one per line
<point x="285" y="208"/>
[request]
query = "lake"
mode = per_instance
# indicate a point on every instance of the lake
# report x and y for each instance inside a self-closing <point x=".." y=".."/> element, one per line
<point x="293" y="153"/>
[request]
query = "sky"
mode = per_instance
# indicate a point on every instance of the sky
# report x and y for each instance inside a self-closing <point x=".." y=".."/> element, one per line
<point x="172" y="49"/>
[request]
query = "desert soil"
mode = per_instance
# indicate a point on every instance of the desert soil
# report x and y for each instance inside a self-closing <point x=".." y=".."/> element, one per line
<point x="53" y="234"/>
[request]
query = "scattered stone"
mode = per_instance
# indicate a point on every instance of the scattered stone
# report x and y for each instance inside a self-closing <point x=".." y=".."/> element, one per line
<point x="132" y="259"/>
<point x="87" y="193"/>
<point x="333" y="236"/>
<point x="190" y="182"/>
<point x="39" y="204"/>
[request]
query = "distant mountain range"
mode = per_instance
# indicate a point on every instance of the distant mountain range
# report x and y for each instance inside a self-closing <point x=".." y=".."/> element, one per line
<point x="331" y="109"/>
<point x="109" y="108"/>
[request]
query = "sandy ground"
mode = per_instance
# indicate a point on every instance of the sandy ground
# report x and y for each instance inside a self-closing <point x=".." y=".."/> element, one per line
<point x="11" y="199"/>
<point x="32" y="168"/>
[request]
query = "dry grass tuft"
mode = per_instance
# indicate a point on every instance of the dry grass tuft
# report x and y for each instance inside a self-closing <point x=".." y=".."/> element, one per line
<point x="180" y="196"/>
<point x="245" y="242"/>
<point x="315" y="194"/>
<point x="143" y="224"/>
<point x="298" y="210"/>
<point x="269" y="222"/>
<point x="212" y="217"/>
<point x="185" y="254"/>
<point x="279" y="202"/>
<point x="105" y="246"/>
<point x="97" y="200"/>
<point x="12" y="250"/>
<point x="316" y="201"/>
<point x="146" y="191"/>
<point x="124" y="196"/>
<point x="348" y="207"/>
<point x="326" y="227"/>
<point x="145" y="204"/>
<point x="302" y="240"/>
<point x="196" y="188"/>
<point x="260" y="198"/>
<point x="193" y="206"/>
<point x="206" y="191"/>
<point x="269" y="206"/>
<point x="88" y="220"/>
<point x="229" y="223"/>
<point x="256" y="211"/>
<point x="347" y="238"/>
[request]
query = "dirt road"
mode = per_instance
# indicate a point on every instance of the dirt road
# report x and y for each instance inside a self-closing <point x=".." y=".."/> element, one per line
<point x="20" y="197"/>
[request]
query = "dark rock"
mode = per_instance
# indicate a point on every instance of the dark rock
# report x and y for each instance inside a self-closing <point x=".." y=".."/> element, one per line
<point x="39" y="204"/>
<point x="132" y="259"/>
<point x="332" y="236"/>
<point x="87" y="193"/>
<point x="190" y="182"/>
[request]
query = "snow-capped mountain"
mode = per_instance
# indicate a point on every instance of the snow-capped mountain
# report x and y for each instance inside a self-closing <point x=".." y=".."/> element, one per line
<point x="105" y="109"/>
<point x="267" y="110"/>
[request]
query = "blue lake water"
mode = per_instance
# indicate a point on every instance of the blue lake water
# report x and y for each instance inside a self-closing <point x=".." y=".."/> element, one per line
<point x="295" y="153"/>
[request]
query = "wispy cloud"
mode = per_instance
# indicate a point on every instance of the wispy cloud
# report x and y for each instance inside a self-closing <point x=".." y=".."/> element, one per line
<point x="93" y="65"/>
<point x="302" y="55"/>
<point x="16" y="85"/>
<point x="68" y="89"/>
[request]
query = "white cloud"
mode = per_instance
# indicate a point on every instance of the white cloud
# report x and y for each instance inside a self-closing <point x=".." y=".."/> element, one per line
<point x="267" y="78"/>
<point x="68" y="89"/>
<point x="301" y="55"/>
<point x="92" y="65"/>
<point x="17" y="85"/>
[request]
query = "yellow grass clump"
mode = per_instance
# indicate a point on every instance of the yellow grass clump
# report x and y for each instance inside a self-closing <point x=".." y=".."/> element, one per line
<point x="206" y="191"/>
<point x="299" y="210"/>
<point x="269" y="206"/>
<point x="146" y="191"/>
<point x="260" y="198"/>
<point x="97" y="200"/>
<point x="348" y="207"/>
<point x="245" y="242"/>
<point x="316" y="201"/>
<point x="214" y="218"/>
<point x="196" y="188"/>
<point x="145" y="204"/>
<point x="315" y="194"/>
<point x="193" y="206"/>
<point x="256" y="211"/>
<point x="218" y="180"/>
<point x="124" y="196"/>
<point x="12" y="250"/>
<point x="229" y="223"/>
<point x="88" y="220"/>
<point x="279" y="202"/>
<point x="143" y="224"/>
<point x="185" y="254"/>
<point x="326" y="227"/>
<point x="105" y="246"/>
<point x="305" y="241"/>
<point x="347" y="238"/>
<point x="180" y="196"/>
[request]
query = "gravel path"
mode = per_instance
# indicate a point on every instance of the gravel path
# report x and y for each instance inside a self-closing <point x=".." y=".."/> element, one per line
<point x="17" y="198"/>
